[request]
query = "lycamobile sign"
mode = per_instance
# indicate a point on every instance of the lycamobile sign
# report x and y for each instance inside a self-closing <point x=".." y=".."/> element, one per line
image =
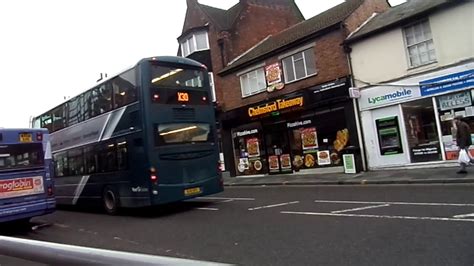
<point x="394" y="96"/>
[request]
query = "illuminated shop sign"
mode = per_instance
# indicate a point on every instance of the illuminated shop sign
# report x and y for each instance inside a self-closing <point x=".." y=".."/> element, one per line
<point x="274" y="106"/>
<point x="298" y="123"/>
<point x="246" y="132"/>
<point x="455" y="81"/>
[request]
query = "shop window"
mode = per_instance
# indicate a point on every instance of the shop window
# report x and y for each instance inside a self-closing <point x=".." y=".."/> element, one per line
<point x="421" y="131"/>
<point x="318" y="141"/>
<point x="449" y="106"/>
<point x="419" y="44"/>
<point x="253" y="82"/>
<point x="299" y="65"/>
<point x="248" y="151"/>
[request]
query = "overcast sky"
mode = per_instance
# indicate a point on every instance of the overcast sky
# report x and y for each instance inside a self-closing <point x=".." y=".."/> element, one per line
<point x="51" y="49"/>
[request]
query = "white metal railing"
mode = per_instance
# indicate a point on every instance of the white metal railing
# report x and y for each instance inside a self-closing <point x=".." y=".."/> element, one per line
<point x="62" y="254"/>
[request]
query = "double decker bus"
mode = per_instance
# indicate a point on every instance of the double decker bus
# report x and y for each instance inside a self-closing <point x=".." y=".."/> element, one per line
<point x="26" y="184"/>
<point x="144" y="137"/>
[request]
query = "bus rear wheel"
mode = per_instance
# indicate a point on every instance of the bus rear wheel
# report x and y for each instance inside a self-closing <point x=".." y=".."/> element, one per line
<point x="110" y="200"/>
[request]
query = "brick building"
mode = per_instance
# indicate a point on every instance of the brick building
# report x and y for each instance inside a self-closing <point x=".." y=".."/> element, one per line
<point x="286" y="105"/>
<point x="215" y="36"/>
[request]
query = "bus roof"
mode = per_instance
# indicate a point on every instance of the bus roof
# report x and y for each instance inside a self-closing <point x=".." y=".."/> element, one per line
<point x="16" y="130"/>
<point x="12" y="135"/>
<point x="174" y="60"/>
<point x="164" y="59"/>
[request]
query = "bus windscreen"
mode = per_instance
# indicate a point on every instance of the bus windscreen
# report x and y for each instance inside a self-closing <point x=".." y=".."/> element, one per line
<point x="175" y="77"/>
<point x="179" y="133"/>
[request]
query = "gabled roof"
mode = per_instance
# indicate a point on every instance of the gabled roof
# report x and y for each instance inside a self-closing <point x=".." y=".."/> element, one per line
<point x="222" y="19"/>
<point x="398" y="15"/>
<point x="298" y="32"/>
<point x="225" y="19"/>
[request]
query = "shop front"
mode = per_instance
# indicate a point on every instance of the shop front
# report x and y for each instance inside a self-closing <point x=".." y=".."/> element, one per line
<point x="411" y="123"/>
<point x="305" y="131"/>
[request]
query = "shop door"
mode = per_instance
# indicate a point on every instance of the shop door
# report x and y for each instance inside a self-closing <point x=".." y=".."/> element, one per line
<point x="278" y="151"/>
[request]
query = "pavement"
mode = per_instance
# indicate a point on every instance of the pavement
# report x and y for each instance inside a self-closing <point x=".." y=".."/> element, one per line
<point x="439" y="175"/>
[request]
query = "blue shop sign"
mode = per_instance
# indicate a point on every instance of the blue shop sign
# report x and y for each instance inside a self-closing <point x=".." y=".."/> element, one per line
<point x="446" y="83"/>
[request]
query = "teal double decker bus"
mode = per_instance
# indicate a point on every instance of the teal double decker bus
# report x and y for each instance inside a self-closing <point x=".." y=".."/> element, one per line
<point x="144" y="137"/>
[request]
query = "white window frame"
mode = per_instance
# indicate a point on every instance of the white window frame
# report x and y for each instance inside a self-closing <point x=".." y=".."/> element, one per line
<point x="191" y="43"/>
<point x="425" y="41"/>
<point x="245" y="85"/>
<point x="213" y="87"/>
<point x="292" y="59"/>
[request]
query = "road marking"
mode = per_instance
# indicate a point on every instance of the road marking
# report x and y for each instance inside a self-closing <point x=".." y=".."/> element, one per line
<point x="361" y="208"/>
<point x="228" y="200"/>
<point x="396" y="203"/>
<point x="464" y="215"/>
<point x="273" y="205"/>
<point x="207" y="209"/>
<point x="220" y="198"/>
<point x="379" y="216"/>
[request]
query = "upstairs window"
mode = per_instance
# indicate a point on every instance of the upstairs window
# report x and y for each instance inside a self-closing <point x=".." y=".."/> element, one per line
<point x="253" y="82"/>
<point x="419" y="43"/>
<point x="299" y="65"/>
<point x="195" y="42"/>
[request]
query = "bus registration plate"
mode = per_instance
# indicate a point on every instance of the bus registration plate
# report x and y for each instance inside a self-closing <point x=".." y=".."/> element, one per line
<point x="25" y="137"/>
<point x="192" y="191"/>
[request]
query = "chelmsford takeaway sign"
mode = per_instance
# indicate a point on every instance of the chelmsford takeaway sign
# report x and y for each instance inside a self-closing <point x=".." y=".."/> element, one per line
<point x="275" y="106"/>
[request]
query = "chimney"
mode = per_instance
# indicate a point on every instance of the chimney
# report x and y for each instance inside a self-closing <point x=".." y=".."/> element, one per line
<point x="191" y="2"/>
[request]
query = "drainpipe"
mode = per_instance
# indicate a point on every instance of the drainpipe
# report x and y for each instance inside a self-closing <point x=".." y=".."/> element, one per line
<point x="360" y="133"/>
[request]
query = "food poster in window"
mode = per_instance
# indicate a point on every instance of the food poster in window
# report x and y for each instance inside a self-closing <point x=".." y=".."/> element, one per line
<point x="309" y="138"/>
<point x="253" y="147"/>
<point x="324" y="158"/>
<point x="273" y="163"/>
<point x="273" y="76"/>
<point x="285" y="161"/>
<point x="341" y="141"/>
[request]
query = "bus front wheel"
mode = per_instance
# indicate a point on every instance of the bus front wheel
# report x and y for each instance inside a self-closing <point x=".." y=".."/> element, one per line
<point x="110" y="200"/>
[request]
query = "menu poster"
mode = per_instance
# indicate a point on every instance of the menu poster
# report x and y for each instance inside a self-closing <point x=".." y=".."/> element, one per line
<point x="273" y="76"/>
<point x="324" y="158"/>
<point x="309" y="138"/>
<point x="273" y="163"/>
<point x="253" y="148"/>
<point x="285" y="161"/>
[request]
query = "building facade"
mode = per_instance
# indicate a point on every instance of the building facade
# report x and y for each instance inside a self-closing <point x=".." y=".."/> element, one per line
<point x="414" y="66"/>
<point x="215" y="36"/>
<point x="286" y="105"/>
